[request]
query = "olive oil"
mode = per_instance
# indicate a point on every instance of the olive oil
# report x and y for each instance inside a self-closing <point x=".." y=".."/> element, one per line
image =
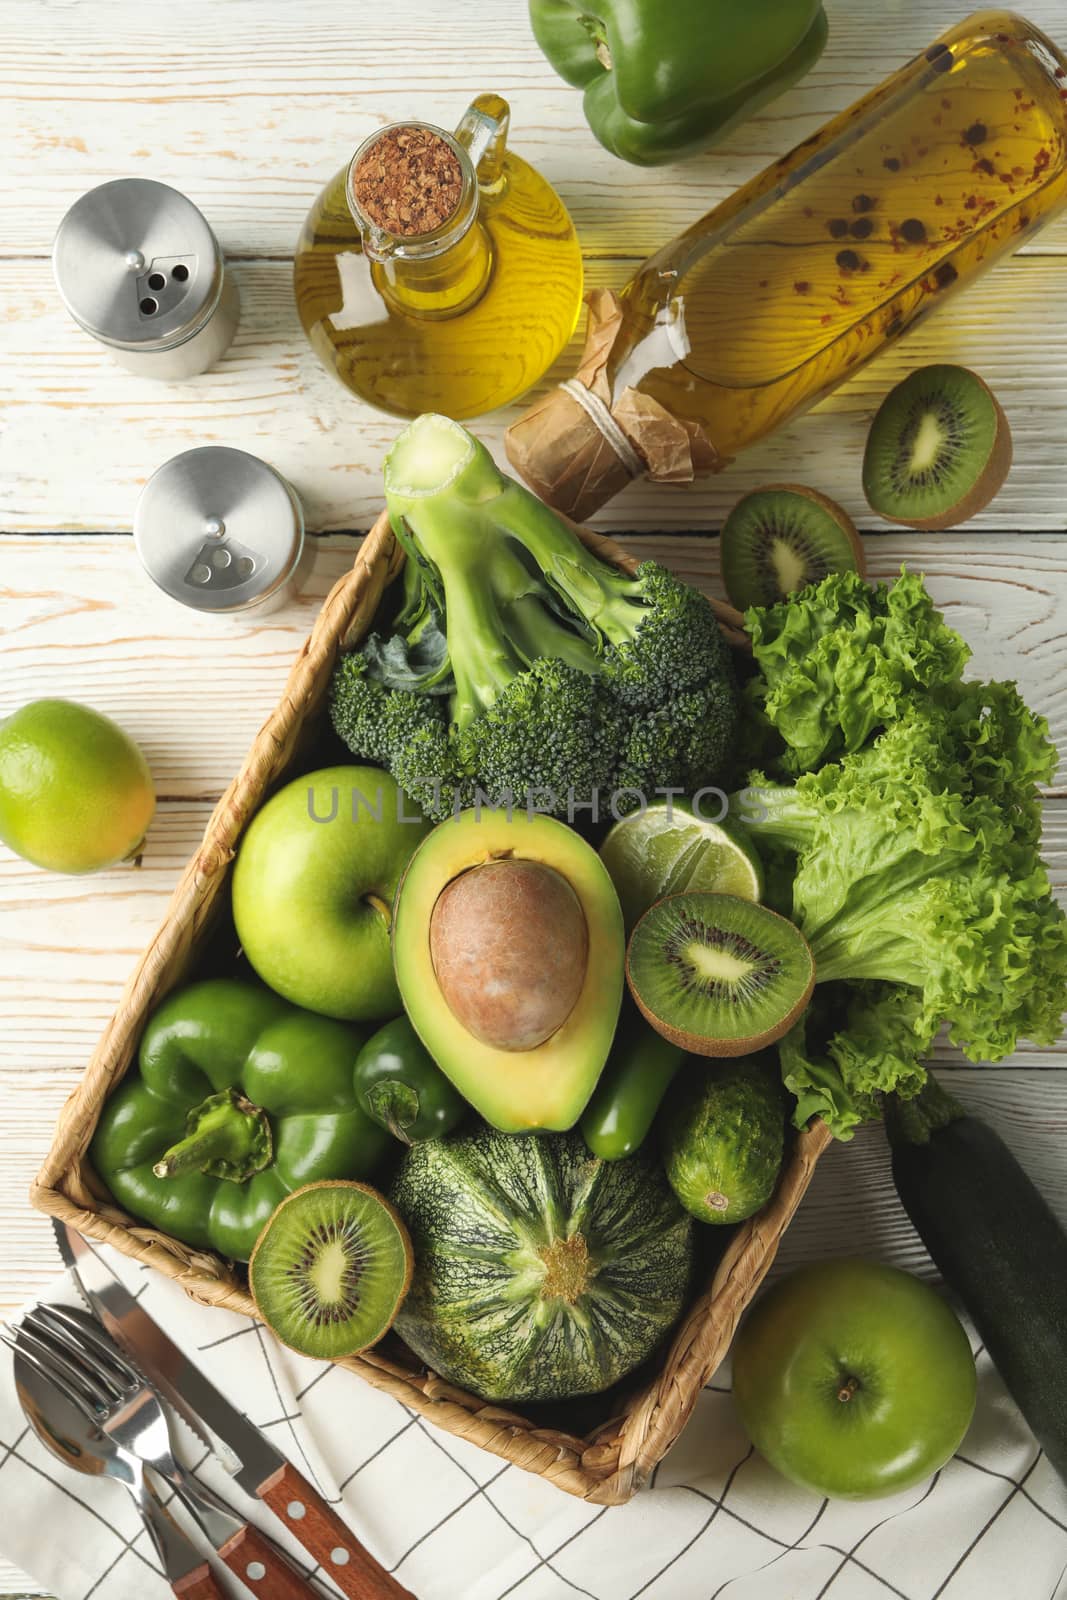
<point x="812" y="268"/>
<point x="460" y="320"/>
<point x="806" y="273"/>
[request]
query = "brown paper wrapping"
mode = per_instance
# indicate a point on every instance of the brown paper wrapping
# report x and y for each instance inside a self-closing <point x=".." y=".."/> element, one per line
<point x="565" y="457"/>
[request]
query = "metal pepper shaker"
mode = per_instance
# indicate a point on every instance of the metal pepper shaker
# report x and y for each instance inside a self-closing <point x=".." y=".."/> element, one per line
<point x="140" y="270"/>
<point x="221" y="531"/>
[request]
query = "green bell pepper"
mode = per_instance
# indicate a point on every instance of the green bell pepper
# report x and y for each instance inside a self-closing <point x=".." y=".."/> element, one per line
<point x="240" y="1099"/>
<point x="664" y="78"/>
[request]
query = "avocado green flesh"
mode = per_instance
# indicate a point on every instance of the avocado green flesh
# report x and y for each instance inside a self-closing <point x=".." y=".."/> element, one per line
<point x="514" y="1090"/>
<point x="722" y="1135"/>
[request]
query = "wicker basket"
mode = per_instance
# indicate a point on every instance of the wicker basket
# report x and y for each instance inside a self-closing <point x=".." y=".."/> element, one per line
<point x="609" y="1465"/>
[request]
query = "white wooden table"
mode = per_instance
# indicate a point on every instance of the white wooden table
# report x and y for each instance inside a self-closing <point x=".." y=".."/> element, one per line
<point x="248" y="106"/>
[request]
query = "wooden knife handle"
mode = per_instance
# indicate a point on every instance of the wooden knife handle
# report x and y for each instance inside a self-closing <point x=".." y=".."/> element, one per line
<point x="327" y="1537"/>
<point x="200" y="1584"/>
<point x="263" y="1568"/>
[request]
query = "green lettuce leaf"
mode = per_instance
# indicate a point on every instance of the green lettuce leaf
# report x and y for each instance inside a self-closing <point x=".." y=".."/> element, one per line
<point x="917" y="865"/>
<point x="854" y="1044"/>
<point x="842" y="659"/>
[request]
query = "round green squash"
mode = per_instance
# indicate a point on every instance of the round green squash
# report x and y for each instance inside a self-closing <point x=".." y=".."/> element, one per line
<point x="541" y="1272"/>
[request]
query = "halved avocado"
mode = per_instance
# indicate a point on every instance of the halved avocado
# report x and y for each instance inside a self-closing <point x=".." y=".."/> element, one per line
<point x="509" y="948"/>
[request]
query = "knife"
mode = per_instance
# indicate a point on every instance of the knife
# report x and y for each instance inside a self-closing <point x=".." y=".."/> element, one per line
<point x="261" y="1469"/>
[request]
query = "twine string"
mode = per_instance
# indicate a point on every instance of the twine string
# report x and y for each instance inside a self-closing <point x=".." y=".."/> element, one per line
<point x="609" y="429"/>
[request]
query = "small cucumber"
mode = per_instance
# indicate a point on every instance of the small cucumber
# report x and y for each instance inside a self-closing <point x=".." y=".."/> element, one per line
<point x="722" y="1134"/>
<point x="638" y="1074"/>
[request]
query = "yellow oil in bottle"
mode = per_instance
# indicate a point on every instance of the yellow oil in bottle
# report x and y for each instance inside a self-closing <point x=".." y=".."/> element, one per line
<point x="808" y="271"/>
<point x="460" y="322"/>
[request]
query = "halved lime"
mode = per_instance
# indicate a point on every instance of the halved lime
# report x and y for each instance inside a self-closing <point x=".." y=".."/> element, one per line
<point x="667" y="849"/>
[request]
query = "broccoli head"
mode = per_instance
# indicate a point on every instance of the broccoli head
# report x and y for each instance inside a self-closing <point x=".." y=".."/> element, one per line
<point x="520" y="662"/>
<point x="690" y="735"/>
<point x="673" y="643"/>
<point x="375" y="721"/>
<point x="553" y="731"/>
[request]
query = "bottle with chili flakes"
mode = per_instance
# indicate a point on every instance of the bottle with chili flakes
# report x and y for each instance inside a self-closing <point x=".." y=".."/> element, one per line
<point x="810" y="269"/>
<point x="438" y="271"/>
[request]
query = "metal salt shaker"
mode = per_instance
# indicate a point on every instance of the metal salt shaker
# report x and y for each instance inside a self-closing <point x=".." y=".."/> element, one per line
<point x="140" y="270"/>
<point x="221" y="531"/>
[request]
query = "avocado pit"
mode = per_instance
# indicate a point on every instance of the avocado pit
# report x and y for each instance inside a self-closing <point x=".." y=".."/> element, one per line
<point x="510" y="949"/>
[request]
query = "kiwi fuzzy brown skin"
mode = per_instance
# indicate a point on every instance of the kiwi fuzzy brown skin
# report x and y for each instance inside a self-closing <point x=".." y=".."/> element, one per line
<point x="983" y="490"/>
<point x="829" y="507"/>
<point x="721" y="1049"/>
<point x="405" y="1239"/>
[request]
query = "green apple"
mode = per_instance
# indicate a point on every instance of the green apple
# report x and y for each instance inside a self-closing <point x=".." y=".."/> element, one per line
<point x="313" y="889"/>
<point x="854" y="1379"/>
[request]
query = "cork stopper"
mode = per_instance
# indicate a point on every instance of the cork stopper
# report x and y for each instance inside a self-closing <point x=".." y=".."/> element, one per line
<point x="408" y="181"/>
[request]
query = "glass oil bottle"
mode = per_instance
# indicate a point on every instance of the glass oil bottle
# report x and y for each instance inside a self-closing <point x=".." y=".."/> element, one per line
<point x="461" y="316"/>
<point x="809" y="270"/>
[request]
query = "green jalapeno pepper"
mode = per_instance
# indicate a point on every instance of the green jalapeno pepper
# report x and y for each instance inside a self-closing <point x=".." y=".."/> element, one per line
<point x="638" y="1074"/>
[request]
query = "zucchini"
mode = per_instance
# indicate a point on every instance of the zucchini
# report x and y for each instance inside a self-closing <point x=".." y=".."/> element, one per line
<point x="997" y="1244"/>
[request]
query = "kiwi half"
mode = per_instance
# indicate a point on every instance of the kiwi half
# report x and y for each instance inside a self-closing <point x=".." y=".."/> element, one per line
<point x="331" y="1269"/>
<point x="718" y="975"/>
<point x="938" y="450"/>
<point x="779" y="539"/>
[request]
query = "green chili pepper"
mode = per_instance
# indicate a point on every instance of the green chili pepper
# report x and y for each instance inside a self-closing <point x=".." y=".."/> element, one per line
<point x="637" y="1076"/>
<point x="663" y="78"/>
<point x="240" y="1098"/>
<point x="400" y="1085"/>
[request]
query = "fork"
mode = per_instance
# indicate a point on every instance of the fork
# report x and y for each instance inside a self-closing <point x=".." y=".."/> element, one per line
<point x="66" y="1424"/>
<point x="129" y="1413"/>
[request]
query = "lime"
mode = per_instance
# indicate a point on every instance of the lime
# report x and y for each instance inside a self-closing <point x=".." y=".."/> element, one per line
<point x="75" y="791"/>
<point x="667" y="849"/>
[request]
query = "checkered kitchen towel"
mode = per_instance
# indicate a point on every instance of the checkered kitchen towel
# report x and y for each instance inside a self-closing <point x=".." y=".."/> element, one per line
<point x="457" y="1524"/>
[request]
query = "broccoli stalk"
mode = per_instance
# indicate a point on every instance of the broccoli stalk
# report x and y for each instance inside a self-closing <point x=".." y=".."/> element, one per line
<point x="449" y="501"/>
<point x="547" y="668"/>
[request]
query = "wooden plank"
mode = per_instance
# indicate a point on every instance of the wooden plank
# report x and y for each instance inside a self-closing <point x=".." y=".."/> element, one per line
<point x="250" y="110"/>
<point x="67" y="945"/>
<point x="851" y="1208"/>
<point x="81" y="435"/>
<point x="80" y="619"/>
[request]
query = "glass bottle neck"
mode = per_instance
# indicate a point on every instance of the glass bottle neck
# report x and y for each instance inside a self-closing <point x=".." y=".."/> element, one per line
<point x="432" y="275"/>
<point x="442" y="285"/>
